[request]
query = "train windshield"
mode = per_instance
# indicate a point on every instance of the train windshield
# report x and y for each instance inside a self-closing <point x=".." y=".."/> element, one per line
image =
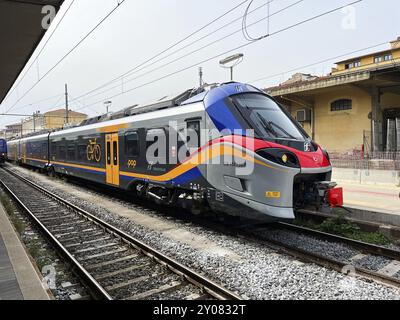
<point x="266" y="117"/>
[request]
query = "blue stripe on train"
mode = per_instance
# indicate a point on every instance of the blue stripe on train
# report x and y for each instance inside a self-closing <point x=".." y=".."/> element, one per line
<point x="184" y="178"/>
<point x="81" y="169"/>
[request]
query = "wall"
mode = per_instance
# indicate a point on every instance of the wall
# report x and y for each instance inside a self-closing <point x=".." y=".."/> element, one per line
<point x="390" y="100"/>
<point x="368" y="63"/>
<point x="56" y="120"/>
<point x="340" y="131"/>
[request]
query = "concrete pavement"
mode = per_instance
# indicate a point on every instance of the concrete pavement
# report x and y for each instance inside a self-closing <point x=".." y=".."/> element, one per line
<point x="19" y="280"/>
<point x="383" y="199"/>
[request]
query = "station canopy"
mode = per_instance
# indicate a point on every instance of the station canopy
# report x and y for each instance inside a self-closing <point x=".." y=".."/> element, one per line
<point x="20" y="33"/>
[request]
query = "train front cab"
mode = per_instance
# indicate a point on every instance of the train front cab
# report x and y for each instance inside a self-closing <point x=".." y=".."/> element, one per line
<point x="289" y="169"/>
<point x="3" y="151"/>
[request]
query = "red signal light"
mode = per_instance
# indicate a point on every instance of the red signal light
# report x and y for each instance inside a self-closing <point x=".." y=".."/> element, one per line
<point x="335" y="197"/>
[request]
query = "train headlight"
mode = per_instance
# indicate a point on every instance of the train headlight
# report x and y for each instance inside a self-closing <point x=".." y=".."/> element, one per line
<point x="280" y="156"/>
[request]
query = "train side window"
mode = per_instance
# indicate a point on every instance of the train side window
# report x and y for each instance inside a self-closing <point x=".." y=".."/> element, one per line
<point x="153" y="136"/>
<point x="132" y="146"/>
<point x="71" y="152"/>
<point x="62" y="152"/>
<point x="108" y="153"/>
<point x="44" y="149"/>
<point x="53" y="149"/>
<point x="82" y="154"/>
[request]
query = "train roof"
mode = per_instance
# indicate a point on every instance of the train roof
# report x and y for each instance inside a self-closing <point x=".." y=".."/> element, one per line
<point x="166" y="106"/>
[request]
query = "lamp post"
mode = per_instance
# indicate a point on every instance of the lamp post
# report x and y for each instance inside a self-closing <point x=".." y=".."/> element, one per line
<point x="108" y="104"/>
<point x="231" y="62"/>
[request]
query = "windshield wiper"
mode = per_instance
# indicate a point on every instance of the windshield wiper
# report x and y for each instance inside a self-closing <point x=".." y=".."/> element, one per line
<point x="267" y="127"/>
<point x="288" y="135"/>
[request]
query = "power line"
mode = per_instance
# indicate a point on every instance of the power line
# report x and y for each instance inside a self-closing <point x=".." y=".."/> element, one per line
<point x="68" y="53"/>
<point x="41" y="50"/>
<point x="231" y="50"/>
<point x="43" y="100"/>
<point x="165" y="50"/>
<point x="192" y="52"/>
<point x="319" y="62"/>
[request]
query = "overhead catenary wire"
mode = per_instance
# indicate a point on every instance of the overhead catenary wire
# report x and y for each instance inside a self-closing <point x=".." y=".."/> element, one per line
<point x="22" y="77"/>
<point x="68" y="53"/>
<point x="318" y="62"/>
<point x="130" y="71"/>
<point x="229" y="51"/>
<point x="191" y="52"/>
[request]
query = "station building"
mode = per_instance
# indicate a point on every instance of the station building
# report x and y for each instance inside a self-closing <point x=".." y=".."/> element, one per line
<point x="354" y="108"/>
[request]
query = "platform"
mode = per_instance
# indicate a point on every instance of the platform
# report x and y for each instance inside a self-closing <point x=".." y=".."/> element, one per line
<point x="373" y="198"/>
<point x="18" y="278"/>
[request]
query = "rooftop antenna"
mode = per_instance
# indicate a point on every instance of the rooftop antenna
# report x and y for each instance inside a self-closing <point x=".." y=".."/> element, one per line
<point x="201" y="82"/>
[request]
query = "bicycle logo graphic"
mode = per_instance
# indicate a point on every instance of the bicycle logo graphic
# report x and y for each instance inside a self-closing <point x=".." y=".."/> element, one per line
<point x="93" y="151"/>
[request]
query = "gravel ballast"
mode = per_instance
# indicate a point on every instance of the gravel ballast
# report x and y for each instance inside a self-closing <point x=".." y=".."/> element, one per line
<point x="256" y="272"/>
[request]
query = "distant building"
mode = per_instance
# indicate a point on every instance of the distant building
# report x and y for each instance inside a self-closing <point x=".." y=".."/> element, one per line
<point x="352" y="109"/>
<point x="48" y="121"/>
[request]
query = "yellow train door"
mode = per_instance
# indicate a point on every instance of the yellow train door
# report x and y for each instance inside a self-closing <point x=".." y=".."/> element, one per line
<point x="112" y="159"/>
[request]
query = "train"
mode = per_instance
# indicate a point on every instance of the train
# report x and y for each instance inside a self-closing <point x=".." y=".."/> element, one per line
<point x="3" y="151"/>
<point x="227" y="148"/>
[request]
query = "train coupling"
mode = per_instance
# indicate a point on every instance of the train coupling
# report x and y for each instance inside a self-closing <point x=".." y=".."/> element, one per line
<point x="329" y="194"/>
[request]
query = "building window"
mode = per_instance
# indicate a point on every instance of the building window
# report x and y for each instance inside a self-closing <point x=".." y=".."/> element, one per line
<point x="378" y="59"/>
<point x="388" y="57"/>
<point x="349" y="65"/>
<point x="342" y="104"/>
<point x="352" y="65"/>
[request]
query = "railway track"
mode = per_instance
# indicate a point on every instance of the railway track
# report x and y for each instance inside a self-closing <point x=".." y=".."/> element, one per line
<point x="365" y="251"/>
<point x="110" y="263"/>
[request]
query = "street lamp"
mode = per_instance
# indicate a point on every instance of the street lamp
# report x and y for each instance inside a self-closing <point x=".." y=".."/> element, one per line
<point x="231" y="62"/>
<point x="108" y="104"/>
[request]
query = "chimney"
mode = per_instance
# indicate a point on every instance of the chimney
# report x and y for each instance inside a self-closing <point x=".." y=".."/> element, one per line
<point x="396" y="44"/>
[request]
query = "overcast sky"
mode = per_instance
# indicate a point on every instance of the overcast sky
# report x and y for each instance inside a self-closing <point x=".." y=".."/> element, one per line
<point x="140" y="29"/>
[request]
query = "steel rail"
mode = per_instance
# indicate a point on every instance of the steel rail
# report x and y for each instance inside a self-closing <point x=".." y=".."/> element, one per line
<point x="366" y="247"/>
<point x="209" y="286"/>
<point x="96" y="289"/>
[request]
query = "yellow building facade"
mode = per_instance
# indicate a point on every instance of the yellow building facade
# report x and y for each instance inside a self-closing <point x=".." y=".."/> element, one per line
<point x="57" y="119"/>
<point x="349" y="108"/>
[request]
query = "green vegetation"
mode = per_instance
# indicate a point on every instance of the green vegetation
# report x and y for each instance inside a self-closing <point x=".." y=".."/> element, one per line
<point x="9" y="208"/>
<point x="340" y="226"/>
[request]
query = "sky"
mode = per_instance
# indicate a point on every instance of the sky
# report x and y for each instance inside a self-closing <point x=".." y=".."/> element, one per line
<point x="139" y="30"/>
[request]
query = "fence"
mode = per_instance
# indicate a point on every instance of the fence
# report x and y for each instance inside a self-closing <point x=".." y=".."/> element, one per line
<point x="367" y="161"/>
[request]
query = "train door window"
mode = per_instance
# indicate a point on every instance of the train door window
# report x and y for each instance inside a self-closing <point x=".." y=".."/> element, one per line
<point x="115" y="152"/>
<point x="71" y="152"/>
<point x="132" y="147"/>
<point x="108" y="152"/>
<point x="193" y="135"/>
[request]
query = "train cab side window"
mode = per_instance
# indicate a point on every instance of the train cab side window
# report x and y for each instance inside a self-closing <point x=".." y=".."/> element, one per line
<point x="132" y="146"/>
<point x="193" y="135"/>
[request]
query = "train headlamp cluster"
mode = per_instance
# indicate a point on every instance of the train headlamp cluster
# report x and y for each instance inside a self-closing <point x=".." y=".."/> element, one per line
<point x="280" y="156"/>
